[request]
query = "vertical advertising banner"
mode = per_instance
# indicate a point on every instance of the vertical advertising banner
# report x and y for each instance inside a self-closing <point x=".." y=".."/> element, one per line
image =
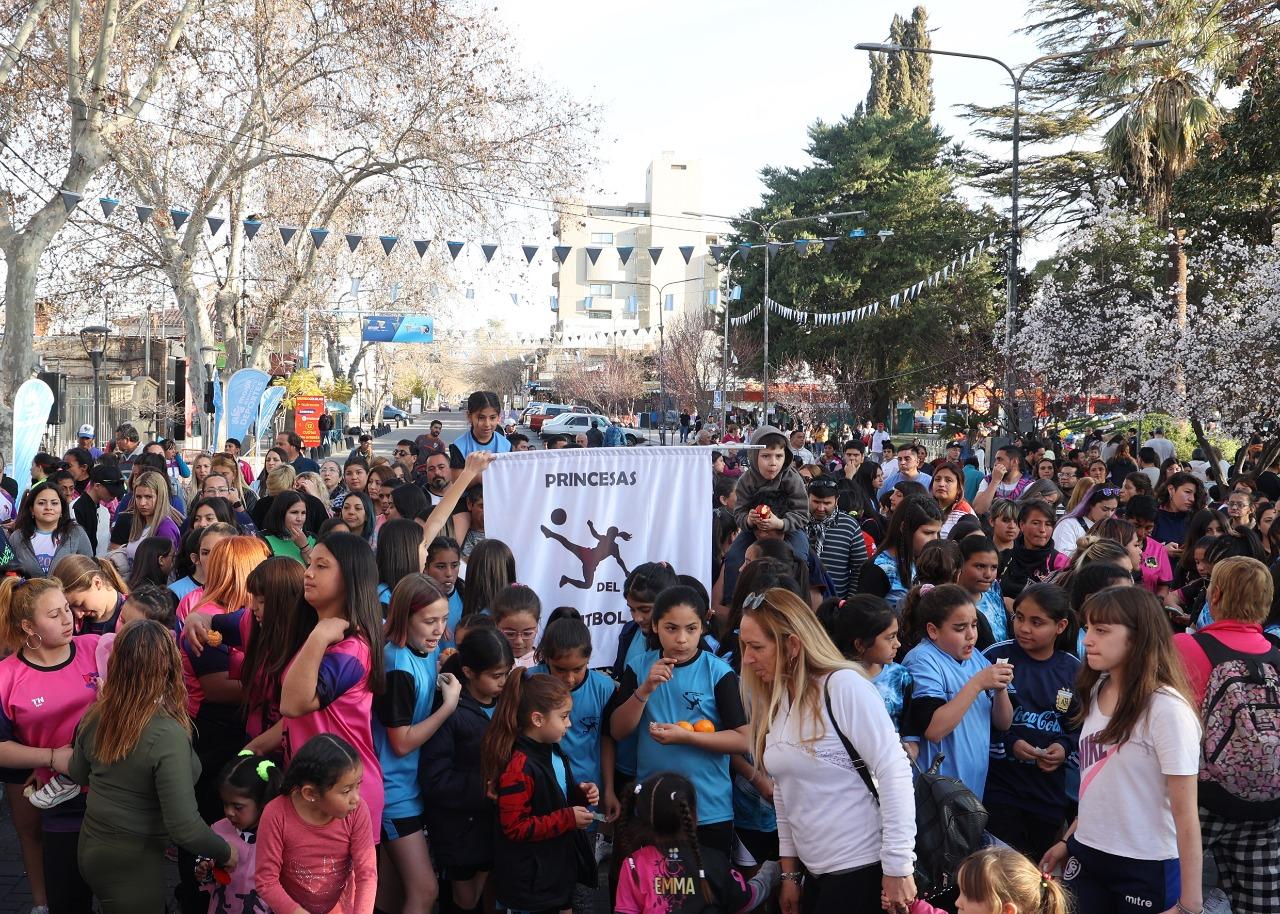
<point x="306" y="419"/>
<point x="578" y="521"/>
<point x="31" y="405"/>
<point x="241" y="399"/>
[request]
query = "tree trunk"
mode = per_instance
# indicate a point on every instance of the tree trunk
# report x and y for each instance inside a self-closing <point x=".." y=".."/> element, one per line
<point x="1178" y="288"/>
<point x="17" y="353"/>
<point x="1214" y="473"/>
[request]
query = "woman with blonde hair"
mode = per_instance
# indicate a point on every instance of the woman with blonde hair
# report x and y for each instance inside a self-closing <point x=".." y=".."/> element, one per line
<point x="95" y="592"/>
<point x="133" y="750"/>
<point x="280" y="479"/>
<point x="201" y="467"/>
<point x="151" y="515"/>
<point x="1078" y="493"/>
<point x="842" y="784"/>
<point x="242" y="497"/>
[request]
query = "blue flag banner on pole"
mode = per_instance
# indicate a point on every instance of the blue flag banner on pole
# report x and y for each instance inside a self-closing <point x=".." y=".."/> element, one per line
<point x="179" y="217"/>
<point x="594" y="254"/>
<point x="108" y="205"/>
<point x="455" y="248"/>
<point x="828" y="244"/>
<point x="421" y="246"/>
<point x="624" y="254"/>
<point x="388" y="243"/>
<point x="561" y="252"/>
<point x="353" y="240"/>
<point x="632" y="304"/>
<point x="515" y="298"/>
<point x="251" y="227"/>
<point x="774" y="248"/>
<point x="654" y="254"/>
<point x="69" y="199"/>
<point x="686" y="251"/>
<point x="268" y="403"/>
<point x="713" y="297"/>
<point x="243" y="394"/>
<point x="218" y="401"/>
<point x="144" y="212"/>
<point x="555" y="303"/>
<point x="802" y="245"/>
<point x="471" y="292"/>
<point x="489" y="250"/>
<point x="318" y="235"/>
<point x="286" y="233"/>
<point x="215" y="224"/>
<point x="530" y="251"/>
<point x="397" y="328"/>
<point x="31" y="407"/>
<point x="669" y="302"/>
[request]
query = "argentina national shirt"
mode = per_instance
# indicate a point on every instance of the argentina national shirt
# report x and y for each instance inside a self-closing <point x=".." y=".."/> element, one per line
<point x="702" y="687"/>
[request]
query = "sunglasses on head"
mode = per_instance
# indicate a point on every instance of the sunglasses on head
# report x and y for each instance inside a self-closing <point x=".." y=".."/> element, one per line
<point x="753" y="601"/>
<point x="1110" y="492"/>
<point x="822" y="487"/>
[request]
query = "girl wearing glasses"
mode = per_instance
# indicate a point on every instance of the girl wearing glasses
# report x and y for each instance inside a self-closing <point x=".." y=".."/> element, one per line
<point x="516" y="611"/>
<point x="1099" y="504"/>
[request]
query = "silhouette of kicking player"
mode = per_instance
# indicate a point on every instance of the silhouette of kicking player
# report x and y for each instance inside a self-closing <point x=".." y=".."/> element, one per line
<point x="590" y="556"/>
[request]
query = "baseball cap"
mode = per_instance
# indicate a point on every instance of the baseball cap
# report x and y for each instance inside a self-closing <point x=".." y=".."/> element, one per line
<point x="109" y="477"/>
<point x="86" y="431"/>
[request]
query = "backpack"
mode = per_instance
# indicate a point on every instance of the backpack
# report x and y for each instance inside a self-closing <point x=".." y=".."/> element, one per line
<point x="1240" y="748"/>
<point x="950" y="819"/>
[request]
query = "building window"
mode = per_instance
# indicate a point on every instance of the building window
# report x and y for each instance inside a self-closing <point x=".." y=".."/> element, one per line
<point x="679" y="167"/>
<point x="602" y="290"/>
<point x="600" y="315"/>
<point x="602" y="237"/>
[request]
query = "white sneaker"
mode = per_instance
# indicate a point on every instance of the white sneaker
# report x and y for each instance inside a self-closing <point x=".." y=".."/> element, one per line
<point x="603" y="848"/>
<point x="59" y="789"/>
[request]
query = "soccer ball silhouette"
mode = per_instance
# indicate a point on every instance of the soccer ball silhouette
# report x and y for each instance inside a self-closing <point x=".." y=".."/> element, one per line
<point x="558" y="516"/>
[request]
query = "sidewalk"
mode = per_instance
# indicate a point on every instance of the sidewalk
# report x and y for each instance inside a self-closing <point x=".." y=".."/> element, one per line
<point x="15" y="897"/>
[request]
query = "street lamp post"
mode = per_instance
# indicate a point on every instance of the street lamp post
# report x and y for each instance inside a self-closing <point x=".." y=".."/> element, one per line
<point x="1015" y="228"/>
<point x="766" y="232"/>
<point x="94" y="341"/>
<point x="731" y="292"/>
<point x="209" y="356"/>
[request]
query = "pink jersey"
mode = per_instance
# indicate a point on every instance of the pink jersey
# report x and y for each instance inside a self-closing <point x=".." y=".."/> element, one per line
<point x="324" y="869"/>
<point x="346" y="710"/>
<point x="1156" y="569"/>
<point x="188" y="603"/>
<point x="41" y="707"/>
<point x="240" y="895"/>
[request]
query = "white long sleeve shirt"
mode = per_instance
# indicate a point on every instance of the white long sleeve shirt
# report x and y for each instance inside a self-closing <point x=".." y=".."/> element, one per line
<point x="826" y="816"/>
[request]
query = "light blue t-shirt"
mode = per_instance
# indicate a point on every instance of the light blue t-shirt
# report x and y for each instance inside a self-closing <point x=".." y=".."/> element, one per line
<point x="581" y="742"/>
<point x="702" y="687"/>
<point x="625" y="754"/>
<point x="407" y="699"/>
<point x="967" y="748"/>
<point x="384" y="594"/>
<point x="183" y="586"/>
<point x="455" y="615"/>
<point x="893" y="682"/>
<point x="897" y="587"/>
<point x="991" y="605"/>
<point x="561" y="772"/>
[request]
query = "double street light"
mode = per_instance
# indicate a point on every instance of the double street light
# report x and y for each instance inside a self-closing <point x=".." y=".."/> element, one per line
<point x="766" y="232"/>
<point x="94" y="341"/>
<point x="1015" y="239"/>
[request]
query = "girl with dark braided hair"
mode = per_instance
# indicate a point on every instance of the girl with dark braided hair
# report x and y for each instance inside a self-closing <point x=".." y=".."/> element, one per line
<point x="664" y="868"/>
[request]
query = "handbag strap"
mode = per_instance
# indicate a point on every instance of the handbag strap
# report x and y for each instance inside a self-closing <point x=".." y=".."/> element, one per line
<point x="858" y="764"/>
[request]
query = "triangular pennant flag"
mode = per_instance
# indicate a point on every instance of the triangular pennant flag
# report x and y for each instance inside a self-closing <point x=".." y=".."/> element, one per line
<point x="686" y="251"/>
<point x="530" y="251"/>
<point x="893" y="301"/>
<point x="353" y="240"/>
<point x="716" y="251"/>
<point x="455" y="248"/>
<point x="144" y="212"/>
<point x="561" y="252"/>
<point x="420" y="245"/>
<point x="801" y="245"/>
<point x="828" y="245"/>
<point x="287" y="233"/>
<point x="654" y="254"/>
<point x="251" y="227"/>
<point x="108" y="205"/>
<point x="318" y="235"/>
<point x="745" y="250"/>
<point x="215" y="224"/>
<point x="489" y="250"/>
<point x="179" y="217"/>
<point x="388" y="243"/>
<point x="624" y="254"/>
<point x="773" y="248"/>
<point x="594" y="254"/>
<point x="515" y="298"/>
<point x="70" y="198"/>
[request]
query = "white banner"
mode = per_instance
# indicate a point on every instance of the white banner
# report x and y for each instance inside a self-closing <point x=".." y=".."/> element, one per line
<point x="579" y="520"/>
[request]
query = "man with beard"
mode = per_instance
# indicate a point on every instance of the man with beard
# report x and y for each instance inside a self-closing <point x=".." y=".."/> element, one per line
<point x="436" y="478"/>
<point x="836" y="537"/>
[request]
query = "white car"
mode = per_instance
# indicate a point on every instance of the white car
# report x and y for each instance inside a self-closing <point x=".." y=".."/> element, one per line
<point x="570" y="424"/>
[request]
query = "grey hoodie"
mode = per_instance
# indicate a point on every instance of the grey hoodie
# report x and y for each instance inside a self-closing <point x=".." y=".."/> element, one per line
<point x="789" y="482"/>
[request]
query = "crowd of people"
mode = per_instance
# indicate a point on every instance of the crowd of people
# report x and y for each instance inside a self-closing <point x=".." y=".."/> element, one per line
<point x="317" y="686"/>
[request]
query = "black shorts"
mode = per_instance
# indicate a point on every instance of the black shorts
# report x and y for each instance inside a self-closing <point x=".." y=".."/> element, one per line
<point x="400" y="828"/>
<point x="762" y="845"/>
<point x="14" y="775"/>
<point x="463" y="873"/>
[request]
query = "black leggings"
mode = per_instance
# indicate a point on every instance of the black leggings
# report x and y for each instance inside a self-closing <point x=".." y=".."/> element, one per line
<point x="841" y="893"/>
<point x="67" y="889"/>
<point x="1021" y="830"/>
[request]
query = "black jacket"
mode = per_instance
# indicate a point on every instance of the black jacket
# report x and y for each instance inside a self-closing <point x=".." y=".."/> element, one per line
<point x="540" y="854"/>
<point x="456" y="807"/>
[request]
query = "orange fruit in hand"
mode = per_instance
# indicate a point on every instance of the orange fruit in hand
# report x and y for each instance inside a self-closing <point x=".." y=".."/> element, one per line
<point x="704" y="726"/>
<point x="684" y="725"/>
<point x="213" y="639"/>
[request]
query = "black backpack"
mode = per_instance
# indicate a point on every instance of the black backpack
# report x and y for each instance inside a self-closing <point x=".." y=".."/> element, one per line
<point x="950" y="819"/>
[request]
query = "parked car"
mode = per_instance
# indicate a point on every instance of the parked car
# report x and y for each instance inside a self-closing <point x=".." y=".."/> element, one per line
<point x="394" y="413"/>
<point x="570" y="424"/>
<point x="534" y="407"/>
<point x="537" y="419"/>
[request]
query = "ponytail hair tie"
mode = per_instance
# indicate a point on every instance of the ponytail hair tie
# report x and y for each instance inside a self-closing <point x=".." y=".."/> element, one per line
<point x="925" y="588"/>
<point x="244" y="752"/>
<point x="264" y="769"/>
